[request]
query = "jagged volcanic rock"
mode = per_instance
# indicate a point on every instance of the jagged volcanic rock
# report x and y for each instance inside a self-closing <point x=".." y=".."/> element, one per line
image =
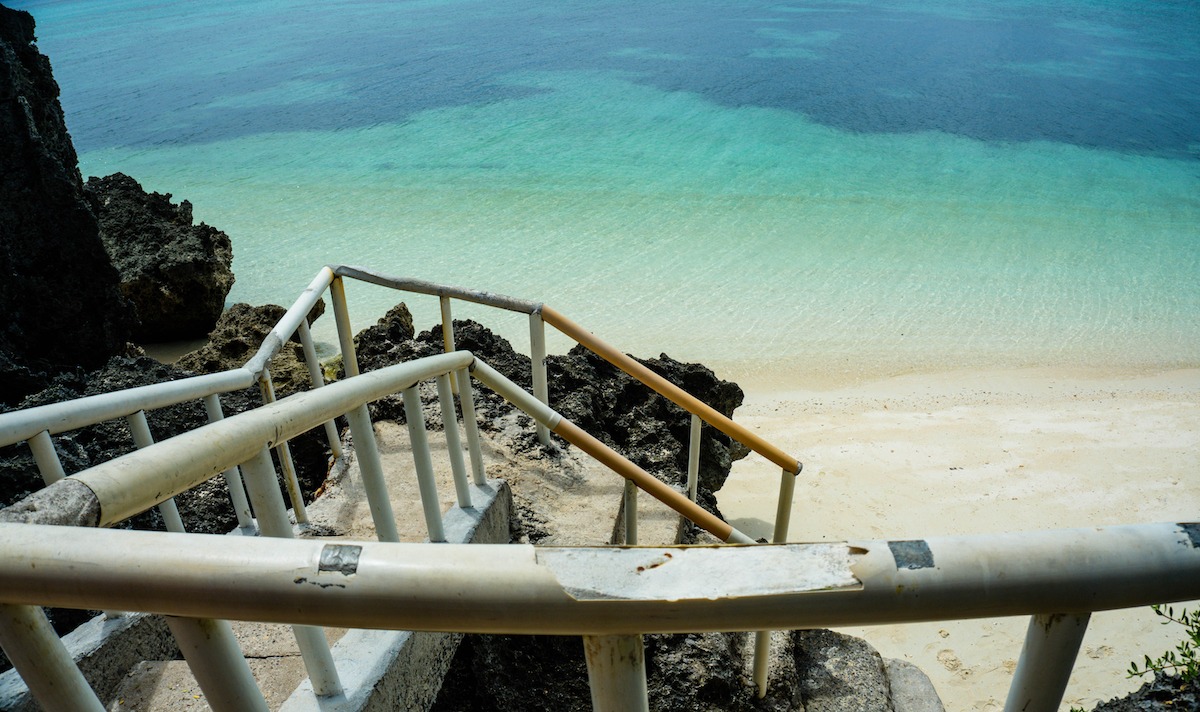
<point x="59" y="294"/>
<point x="175" y="274"/>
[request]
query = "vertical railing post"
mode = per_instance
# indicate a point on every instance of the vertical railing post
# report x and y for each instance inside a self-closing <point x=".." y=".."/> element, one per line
<point x="453" y="441"/>
<point x="370" y="468"/>
<point x="46" y="456"/>
<point x="273" y="521"/>
<point x="218" y="664"/>
<point x="693" y="476"/>
<point x="466" y="396"/>
<point x="284" y="453"/>
<point x="616" y="667"/>
<point x="537" y="357"/>
<point x="447" y="332"/>
<point x="233" y="476"/>
<point x="423" y="463"/>
<point x="341" y="316"/>
<point x="1051" y="644"/>
<point x="43" y="661"/>
<point x="142" y="438"/>
<point x="629" y="507"/>
<point x="317" y="379"/>
<point x="783" y="518"/>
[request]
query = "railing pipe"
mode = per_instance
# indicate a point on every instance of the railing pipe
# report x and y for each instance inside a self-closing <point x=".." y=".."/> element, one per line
<point x="629" y="508"/>
<point x="606" y="455"/>
<point x="370" y="468"/>
<point x="415" y="419"/>
<point x="233" y="476"/>
<point x="603" y="590"/>
<point x="286" y="326"/>
<point x="341" y="316"/>
<point x="762" y="638"/>
<point x="317" y="379"/>
<point x="616" y="666"/>
<point x="19" y="425"/>
<point x="217" y="663"/>
<point x="466" y="397"/>
<point x="447" y="331"/>
<point x="421" y="286"/>
<point x="670" y="391"/>
<point x="454" y="450"/>
<point x="143" y="439"/>
<point x="46" y="456"/>
<point x="693" y="473"/>
<point x="42" y="660"/>
<point x="273" y="522"/>
<point x="284" y="453"/>
<point x="537" y="358"/>
<point x="136" y="481"/>
<point x="1044" y="668"/>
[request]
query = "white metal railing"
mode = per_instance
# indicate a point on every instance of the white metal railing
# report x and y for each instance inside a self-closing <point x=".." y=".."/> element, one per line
<point x="612" y="595"/>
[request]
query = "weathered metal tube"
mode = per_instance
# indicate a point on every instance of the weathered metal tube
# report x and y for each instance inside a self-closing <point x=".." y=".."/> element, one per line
<point x="693" y="475"/>
<point x="296" y="315"/>
<point x="421" y="286"/>
<point x="341" y="317"/>
<point x="217" y="663"/>
<point x="616" y="667"/>
<point x="39" y="656"/>
<point x="46" y="456"/>
<point x="19" y="425"/>
<point x="143" y="439"/>
<point x="466" y="397"/>
<point x="370" y="468"/>
<point x="629" y="508"/>
<point x="233" y="476"/>
<point x="462" y="488"/>
<point x="317" y="379"/>
<point x="600" y="591"/>
<point x="537" y="366"/>
<point x="131" y="483"/>
<point x="424" y="464"/>
<point x="1051" y="646"/>
<point x="284" y="453"/>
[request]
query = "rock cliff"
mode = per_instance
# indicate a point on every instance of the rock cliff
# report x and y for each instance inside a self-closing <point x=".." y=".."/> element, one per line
<point x="175" y="274"/>
<point x="59" y="292"/>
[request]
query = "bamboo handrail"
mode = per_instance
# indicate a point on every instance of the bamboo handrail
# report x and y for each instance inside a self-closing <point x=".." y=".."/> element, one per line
<point x="670" y="391"/>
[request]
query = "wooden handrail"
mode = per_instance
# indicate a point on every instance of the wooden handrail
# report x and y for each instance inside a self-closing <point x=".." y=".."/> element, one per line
<point x="670" y="391"/>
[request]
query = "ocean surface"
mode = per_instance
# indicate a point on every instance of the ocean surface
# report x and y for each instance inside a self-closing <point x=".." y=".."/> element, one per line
<point x="784" y="190"/>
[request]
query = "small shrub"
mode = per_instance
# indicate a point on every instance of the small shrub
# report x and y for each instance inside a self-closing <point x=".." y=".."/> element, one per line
<point x="1183" y="661"/>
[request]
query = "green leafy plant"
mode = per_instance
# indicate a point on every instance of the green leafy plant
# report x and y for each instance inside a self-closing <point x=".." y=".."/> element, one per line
<point x="1184" y="660"/>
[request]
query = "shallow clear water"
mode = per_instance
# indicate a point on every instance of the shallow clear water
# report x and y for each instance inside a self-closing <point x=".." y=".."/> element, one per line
<point x="819" y="187"/>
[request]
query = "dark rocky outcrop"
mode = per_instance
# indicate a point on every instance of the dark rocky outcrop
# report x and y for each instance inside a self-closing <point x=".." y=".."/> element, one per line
<point x="811" y="671"/>
<point x="621" y="412"/>
<point x="237" y="337"/>
<point x="1165" y="693"/>
<point x="175" y="274"/>
<point x="59" y="292"/>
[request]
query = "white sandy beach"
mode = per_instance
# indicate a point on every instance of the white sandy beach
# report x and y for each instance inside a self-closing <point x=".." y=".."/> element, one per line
<point x="977" y="452"/>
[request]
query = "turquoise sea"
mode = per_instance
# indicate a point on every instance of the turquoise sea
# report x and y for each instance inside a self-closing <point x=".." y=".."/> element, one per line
<point x="780" y="189"/>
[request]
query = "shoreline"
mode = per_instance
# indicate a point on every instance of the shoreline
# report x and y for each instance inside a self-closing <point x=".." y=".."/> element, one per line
<point x="977" y="451"/>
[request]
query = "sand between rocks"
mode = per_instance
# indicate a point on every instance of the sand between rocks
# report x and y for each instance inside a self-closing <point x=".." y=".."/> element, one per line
<point x="977" y="452"/>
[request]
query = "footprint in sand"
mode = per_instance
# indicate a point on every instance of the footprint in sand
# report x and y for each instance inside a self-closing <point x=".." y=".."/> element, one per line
<point x="1102" y="651"/>
<point x="949" y="660"/>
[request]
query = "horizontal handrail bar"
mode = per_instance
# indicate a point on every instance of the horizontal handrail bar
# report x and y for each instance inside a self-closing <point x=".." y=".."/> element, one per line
<point x="600" y="591"/>
<point x="290" y="322"/>
<point x="501" y="301"/>
<point x="670" y="391"/>
<point x="608" y="457"/>
<point x="19" y="425"/>
<point x="134" y="482"/>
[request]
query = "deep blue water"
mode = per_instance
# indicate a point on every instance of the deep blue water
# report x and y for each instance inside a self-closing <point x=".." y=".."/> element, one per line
<point x="808" y="185"/>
